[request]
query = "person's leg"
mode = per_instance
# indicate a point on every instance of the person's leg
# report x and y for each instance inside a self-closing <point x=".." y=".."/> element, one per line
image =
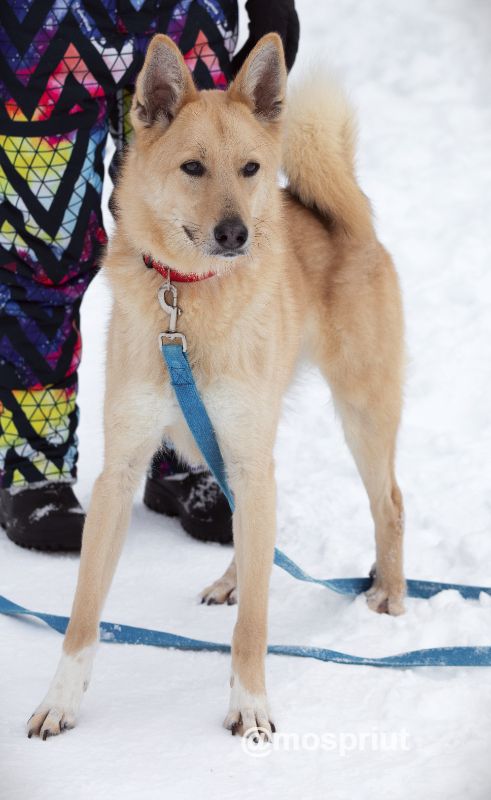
<point x="206" y="34"/>
<point x="59" y="76"/>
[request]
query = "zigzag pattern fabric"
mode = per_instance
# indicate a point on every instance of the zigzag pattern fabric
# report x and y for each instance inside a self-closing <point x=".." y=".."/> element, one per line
<point x="68" y="69"/>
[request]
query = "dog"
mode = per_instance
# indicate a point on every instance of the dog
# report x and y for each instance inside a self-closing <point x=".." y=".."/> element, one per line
<point x="286" y="272"/>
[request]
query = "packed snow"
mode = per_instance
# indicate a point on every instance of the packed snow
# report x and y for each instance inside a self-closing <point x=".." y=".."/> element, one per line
<point x="150" y="726"/>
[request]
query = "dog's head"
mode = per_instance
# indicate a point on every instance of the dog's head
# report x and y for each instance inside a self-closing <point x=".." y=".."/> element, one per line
<point x="199" y="187"/>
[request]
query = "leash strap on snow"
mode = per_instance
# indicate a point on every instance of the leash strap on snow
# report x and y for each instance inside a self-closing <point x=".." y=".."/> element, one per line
<point x="420" y="589"/>
<point x="127" y="634"/>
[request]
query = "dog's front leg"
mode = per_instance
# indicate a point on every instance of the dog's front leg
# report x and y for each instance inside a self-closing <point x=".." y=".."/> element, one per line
<point x="254" y="538"/>
<point x="128" y="448"/>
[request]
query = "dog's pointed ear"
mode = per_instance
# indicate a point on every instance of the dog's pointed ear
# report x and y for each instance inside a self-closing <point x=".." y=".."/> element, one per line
<point x="163" y="86"/>
<point x="261" y="81"/>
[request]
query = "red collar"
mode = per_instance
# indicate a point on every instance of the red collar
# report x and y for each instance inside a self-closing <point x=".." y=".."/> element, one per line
<point x="174" y="276"/>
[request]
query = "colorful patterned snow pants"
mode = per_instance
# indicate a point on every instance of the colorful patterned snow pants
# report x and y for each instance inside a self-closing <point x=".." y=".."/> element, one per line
<point x="67" y="69"/>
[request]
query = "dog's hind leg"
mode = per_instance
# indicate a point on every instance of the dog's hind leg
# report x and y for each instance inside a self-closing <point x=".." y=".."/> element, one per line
<point x="360" y="351"/>
<point x="128" y="449"/>
<point x="372" y="442"/>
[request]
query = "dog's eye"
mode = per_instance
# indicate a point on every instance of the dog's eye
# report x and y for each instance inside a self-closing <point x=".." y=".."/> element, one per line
<point x="250" y="169"/>
<point x="194" y="168"/>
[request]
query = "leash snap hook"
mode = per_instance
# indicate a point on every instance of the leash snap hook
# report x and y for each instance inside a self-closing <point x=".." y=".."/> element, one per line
<point x="172" y="309"/>
<point x="171" y="336"/>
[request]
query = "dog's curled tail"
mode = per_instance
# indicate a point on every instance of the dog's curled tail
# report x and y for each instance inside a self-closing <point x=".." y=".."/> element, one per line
<point x="319" y="152"/>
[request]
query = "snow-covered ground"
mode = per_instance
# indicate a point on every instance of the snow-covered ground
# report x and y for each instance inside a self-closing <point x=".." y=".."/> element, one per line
<point x="419" y="73"/>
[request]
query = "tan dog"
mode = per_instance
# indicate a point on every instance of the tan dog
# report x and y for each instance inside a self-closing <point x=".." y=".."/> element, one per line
<point x="298" y="271"/>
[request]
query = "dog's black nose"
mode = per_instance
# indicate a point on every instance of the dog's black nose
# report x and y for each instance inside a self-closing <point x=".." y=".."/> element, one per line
<point x="231" y="233"/>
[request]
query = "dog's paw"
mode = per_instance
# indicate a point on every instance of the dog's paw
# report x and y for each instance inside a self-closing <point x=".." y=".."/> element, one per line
<point x="248" y="714"/>
<point x="50" y="721"/>
<point x="222" y="591"/>
<point x="59" y="709"/>
<point x="386" y="599"/>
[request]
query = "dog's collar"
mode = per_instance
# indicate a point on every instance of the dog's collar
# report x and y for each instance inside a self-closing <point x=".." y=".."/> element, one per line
<point x="172" y="274"/>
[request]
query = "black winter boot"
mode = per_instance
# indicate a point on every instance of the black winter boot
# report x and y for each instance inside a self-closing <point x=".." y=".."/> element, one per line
<point x="194" y="497"/>
<point x="45" y="518"/>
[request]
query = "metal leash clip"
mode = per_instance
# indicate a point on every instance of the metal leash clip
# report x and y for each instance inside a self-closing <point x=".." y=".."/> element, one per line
<point x="171" y="336"/>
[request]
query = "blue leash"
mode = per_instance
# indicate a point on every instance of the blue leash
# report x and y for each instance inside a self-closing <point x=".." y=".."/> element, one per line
<point x="174" y="355"/>
<point x="127" y="634"/>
